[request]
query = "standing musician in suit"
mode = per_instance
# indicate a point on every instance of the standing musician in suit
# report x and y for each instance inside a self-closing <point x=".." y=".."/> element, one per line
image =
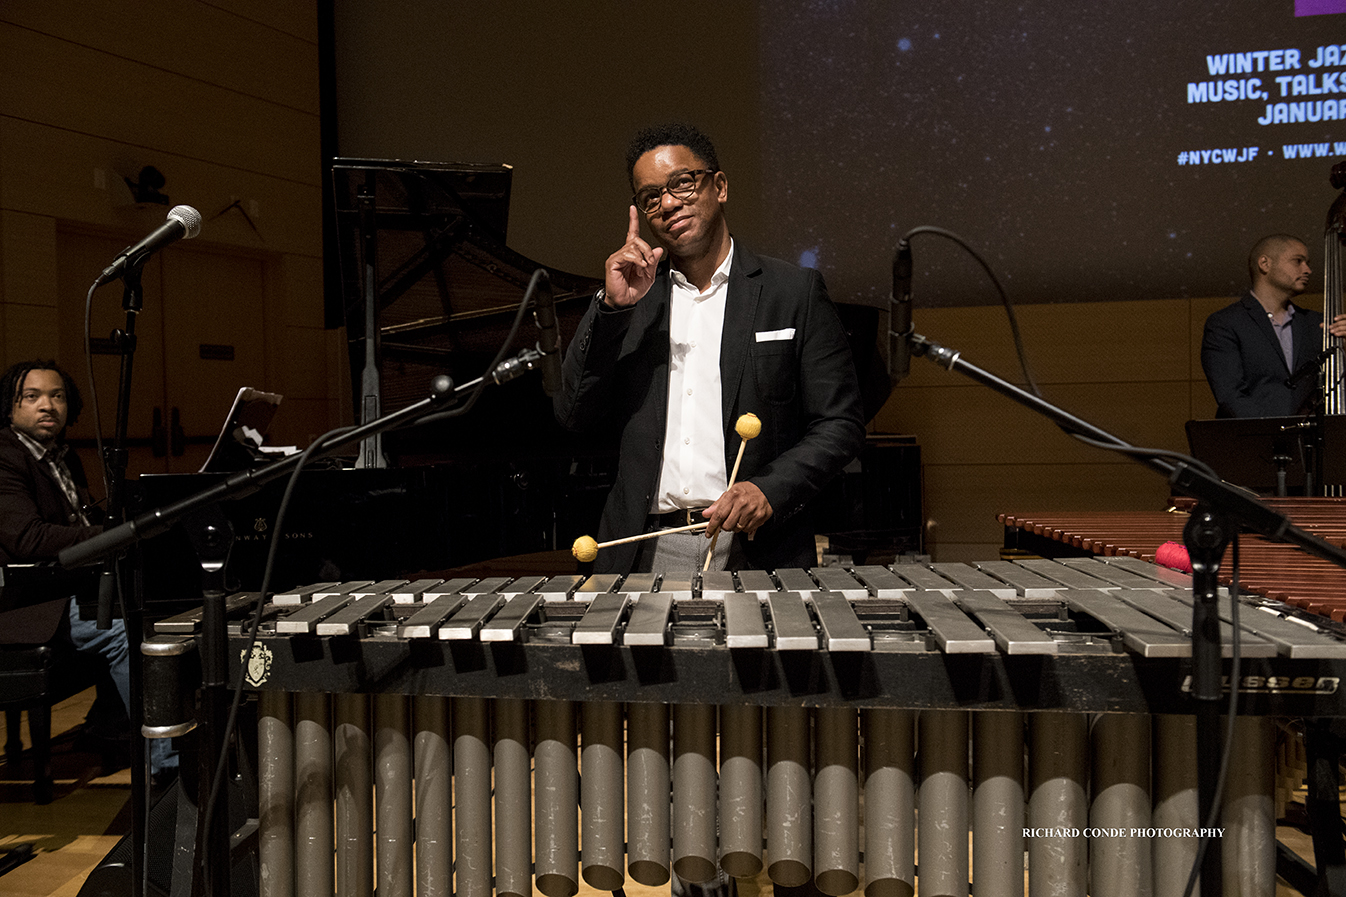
<point x="44" y="507"/>
<point x="684" y="337"/>
<point x="1251" y="348"/>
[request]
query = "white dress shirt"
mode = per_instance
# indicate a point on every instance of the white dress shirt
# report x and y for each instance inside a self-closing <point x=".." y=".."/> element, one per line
<point x="693" y="473"/>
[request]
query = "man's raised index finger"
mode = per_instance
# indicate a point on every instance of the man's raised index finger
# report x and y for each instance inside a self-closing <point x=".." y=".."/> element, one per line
<point x="633" y="229"/>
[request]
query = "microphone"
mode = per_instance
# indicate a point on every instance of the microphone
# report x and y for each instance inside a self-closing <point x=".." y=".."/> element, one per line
<point x="1308" y="368"/>
<point x="548" y="339"/>
<point x="899" y="314"/>
<point x="183" y="223"/>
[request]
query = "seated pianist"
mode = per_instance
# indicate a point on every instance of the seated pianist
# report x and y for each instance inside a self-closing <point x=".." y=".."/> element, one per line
<point x="687" y="336"/>
<point x="44" y="507"/>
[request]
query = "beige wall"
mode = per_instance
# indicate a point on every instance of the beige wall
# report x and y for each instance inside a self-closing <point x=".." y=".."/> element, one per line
<point x="222" y="98"/>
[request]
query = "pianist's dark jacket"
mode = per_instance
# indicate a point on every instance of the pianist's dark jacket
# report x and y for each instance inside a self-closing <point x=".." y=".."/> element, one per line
<point x="36" y="522"/>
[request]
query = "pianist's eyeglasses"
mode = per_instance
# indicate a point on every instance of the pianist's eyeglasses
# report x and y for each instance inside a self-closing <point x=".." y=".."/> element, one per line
<point x="682" y="185"/>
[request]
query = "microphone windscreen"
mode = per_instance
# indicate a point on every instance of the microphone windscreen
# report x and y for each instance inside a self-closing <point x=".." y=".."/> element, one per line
<point x="189" y="217"/>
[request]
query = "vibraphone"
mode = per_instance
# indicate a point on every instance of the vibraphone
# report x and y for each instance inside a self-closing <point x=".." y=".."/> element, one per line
<point x="539" y="731"/>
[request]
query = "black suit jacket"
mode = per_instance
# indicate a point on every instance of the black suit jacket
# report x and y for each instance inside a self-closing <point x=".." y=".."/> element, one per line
<point x="1244" y="364"/>
<point x="36" y="522"/>
<point x="804" y="389"/>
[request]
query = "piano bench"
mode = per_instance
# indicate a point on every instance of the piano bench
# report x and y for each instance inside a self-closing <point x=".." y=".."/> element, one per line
<point x="34" y="678"/>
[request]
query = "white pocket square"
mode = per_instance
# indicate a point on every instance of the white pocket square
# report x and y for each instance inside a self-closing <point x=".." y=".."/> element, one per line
<point x="767" y="336"/>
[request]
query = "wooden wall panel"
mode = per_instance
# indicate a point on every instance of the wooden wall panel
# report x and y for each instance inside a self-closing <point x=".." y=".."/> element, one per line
<point x="1085" y="342"/>
<point x="265" y="50"/>
<point x="296" y="283"/>
<point x="28" y="333"/>
<point x="965" y="424"/>
<point x="1105" y="341"/>
<point x="212" y="300"/>
<point x="302" y="369"/>
<point x="962" y="500"/>
<point x="47" y="81"/>
<point x="49" y="171"/>
<point x="27" y="258"/>
<point x="300" y="365"/>
<point x="296" y="19"/>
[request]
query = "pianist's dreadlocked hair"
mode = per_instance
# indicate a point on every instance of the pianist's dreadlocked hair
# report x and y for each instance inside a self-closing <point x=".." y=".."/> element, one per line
<point x="12" y="380"/>
<point x="676" y="134"/>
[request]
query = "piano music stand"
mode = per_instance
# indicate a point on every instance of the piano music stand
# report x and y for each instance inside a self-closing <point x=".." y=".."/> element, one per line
<point x="233" y="449"/>
<point x="1334" y="464"/>
<point x="1264" y="454"/>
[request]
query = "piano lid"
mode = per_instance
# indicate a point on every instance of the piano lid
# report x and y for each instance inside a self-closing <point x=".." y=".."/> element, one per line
<point x="446" y="285"/>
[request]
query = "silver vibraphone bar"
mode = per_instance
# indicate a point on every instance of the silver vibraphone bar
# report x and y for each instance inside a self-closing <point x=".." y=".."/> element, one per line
<point x="471" y="737"/>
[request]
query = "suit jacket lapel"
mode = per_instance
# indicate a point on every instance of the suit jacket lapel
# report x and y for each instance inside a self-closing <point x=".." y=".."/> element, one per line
<point x="1262" y="323"/>
<point x="740" y="310"/>
<point x="656" y="305"/>
<point x="1308" y="339"/>
<point x="41" y="469"/>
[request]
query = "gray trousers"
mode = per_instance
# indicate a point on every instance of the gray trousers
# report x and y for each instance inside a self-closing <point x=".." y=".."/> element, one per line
<point x="686" y="553"/>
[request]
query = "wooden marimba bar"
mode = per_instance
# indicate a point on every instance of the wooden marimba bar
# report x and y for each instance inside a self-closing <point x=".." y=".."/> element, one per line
<point x="1275" y="570"/>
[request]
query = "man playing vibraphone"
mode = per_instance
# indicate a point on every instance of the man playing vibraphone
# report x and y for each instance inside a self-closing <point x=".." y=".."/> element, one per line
<point x="686" y="336"/>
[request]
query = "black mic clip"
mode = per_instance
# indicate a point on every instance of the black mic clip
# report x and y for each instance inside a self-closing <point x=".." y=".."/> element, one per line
<point x="548" y="336"/>
<point x="900" y="326"/>
<point x="507" y="370"/>
<point x="1309" y="368"/>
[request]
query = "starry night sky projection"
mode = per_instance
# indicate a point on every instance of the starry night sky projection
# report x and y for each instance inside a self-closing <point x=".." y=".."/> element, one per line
<point x="1049" y="135"/>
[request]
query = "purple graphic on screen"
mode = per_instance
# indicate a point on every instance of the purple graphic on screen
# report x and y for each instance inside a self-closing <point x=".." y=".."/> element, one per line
<point x="1319" y="7"/>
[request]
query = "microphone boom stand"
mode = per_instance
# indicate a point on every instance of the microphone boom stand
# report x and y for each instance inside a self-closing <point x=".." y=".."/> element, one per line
<point x="118" y="577"/>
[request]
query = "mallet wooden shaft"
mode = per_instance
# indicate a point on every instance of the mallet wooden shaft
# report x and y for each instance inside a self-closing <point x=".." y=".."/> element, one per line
<point x="747" y="426"/>
<point x="710" y="552"/>
<point x="663" y="532"/>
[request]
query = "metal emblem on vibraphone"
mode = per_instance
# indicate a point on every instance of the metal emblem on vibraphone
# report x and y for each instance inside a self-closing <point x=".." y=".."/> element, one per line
<point x="473" y="737"/>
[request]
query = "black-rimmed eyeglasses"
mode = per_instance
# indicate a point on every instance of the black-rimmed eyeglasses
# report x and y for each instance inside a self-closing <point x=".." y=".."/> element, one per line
<point x="682" y="185"/>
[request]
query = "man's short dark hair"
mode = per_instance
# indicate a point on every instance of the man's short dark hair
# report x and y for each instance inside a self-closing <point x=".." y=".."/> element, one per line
<point x="1272" y="245"/>
<point x="12" y="381"/>
<point x="675" y="134"/>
